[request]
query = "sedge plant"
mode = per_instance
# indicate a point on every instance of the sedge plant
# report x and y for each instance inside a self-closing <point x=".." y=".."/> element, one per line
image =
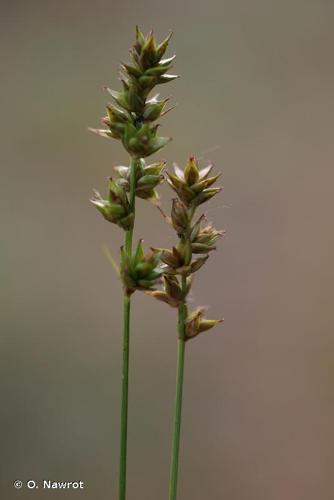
<point x="131" y="119"/>
<point x="196" y="240"/>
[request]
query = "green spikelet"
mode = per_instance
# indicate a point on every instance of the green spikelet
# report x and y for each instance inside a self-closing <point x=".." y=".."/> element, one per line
<point x="130" y="117"/>
<point x="140" y="271"/>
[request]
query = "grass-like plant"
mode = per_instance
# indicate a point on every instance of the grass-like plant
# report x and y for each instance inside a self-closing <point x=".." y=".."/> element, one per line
<point x="197" y="239"/>
<point x="130" y="119"/>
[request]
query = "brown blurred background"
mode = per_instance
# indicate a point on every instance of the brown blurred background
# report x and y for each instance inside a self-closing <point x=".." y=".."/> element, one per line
<point x="255" y="97"/>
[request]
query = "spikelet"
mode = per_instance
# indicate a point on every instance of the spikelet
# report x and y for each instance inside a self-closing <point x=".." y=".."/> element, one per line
<point x="196" y="240"/>
<point x="130" y="117"/>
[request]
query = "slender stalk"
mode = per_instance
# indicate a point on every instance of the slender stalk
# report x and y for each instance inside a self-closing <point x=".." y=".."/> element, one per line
<point x="126" y="347"/>
<point x="132" y="201"/>
<point x="179" y="392"/>
<point x="125" y="390"/>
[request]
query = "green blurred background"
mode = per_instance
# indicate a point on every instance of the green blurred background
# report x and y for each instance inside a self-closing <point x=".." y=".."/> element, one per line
<point x="255" y="97"/>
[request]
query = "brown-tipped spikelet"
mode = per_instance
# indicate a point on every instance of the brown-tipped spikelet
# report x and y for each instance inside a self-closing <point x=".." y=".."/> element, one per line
<point x="196" y="323"/>
<point x="192" y="184"/>
<point x="198" y="238"/>
<point x="171" y="294"/>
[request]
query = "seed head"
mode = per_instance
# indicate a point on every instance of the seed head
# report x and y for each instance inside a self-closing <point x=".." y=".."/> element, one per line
<point x="116" y="208"/>
<point x="148" y="177"/>
<point x="140" y="271"/>
<point x="196" y="323"/>
<point x="179" y="217"/>
<point x="171" y="293"/>
<point x="203" y="239"/>
<point x="192" y="184"/>
<point x="130" y="117"/>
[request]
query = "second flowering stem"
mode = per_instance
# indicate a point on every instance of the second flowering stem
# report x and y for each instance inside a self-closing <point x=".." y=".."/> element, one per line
<point x="181" y="346"/>
<point x="196" y="237"/>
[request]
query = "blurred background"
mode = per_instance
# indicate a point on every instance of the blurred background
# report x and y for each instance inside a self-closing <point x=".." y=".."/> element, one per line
<point x="256" y="98"/>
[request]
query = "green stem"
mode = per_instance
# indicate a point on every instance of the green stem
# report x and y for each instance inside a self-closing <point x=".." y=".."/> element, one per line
<point x="126" y="347"/>
<point x="179" y="393"/>
<point x="125" y="391"/>
<point x="132" y="201"/>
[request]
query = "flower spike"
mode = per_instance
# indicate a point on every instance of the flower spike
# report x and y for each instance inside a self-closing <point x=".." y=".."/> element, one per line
<point x="196" y="240"/>
<point x="130" y="118"/>
<point x="192" y="185"/>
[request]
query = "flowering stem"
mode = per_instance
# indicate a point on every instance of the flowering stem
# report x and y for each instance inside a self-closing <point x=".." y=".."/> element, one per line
<point x="125" y="387"/>
<point x="126" y="346"/>
<point x="179" y="392"/>
<point x="132" y="201"/>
